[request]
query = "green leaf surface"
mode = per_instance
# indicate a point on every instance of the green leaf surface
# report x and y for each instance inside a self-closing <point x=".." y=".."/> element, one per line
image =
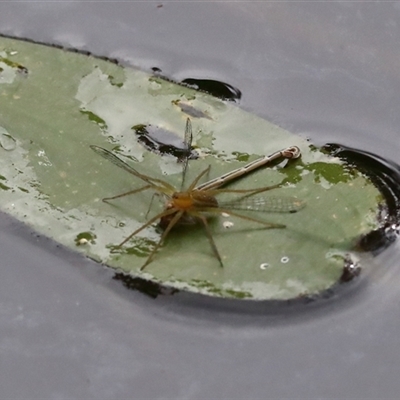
<point x="54" y="104"/>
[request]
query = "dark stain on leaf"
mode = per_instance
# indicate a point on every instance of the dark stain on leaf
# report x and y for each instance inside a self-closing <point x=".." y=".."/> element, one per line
<point x="95" y="118"/>
<point x="20" y="68"/>
<point x="161" y="141"/>
<point x="4" y="187"/>
<point x="149" y="288"/>
<point x="219" y="89"/>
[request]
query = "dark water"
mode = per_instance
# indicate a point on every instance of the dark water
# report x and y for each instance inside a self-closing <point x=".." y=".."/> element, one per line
<point x="326" y="71"/>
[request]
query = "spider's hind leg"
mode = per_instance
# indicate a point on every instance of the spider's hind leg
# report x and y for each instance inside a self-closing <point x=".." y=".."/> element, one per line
<point x="106" y="199"/>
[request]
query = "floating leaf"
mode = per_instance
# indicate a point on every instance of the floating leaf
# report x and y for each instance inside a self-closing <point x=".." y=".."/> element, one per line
<point x="55" y="104"/>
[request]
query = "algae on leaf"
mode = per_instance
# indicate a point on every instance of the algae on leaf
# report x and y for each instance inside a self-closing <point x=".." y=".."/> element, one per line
<point x="54" y="104"/>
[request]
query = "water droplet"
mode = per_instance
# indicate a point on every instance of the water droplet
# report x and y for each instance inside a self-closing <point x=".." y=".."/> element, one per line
<point x="227" y="224"/>
<point x="7" y="142"/>
<point x="264" y="266"/>
<point x="85" y="238"/>
<point x="285" y="260"/>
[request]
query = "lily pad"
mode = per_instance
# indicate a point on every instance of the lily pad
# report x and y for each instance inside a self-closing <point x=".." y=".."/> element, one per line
<point x="56" y="103"/>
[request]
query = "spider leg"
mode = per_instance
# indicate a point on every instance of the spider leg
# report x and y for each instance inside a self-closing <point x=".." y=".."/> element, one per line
<point x="151" y="203"/>
<point x="155" y="218"/>
<point x="194" y="183"/>
<point x="214" y="248"/>
<point x="173" y="221"/>
<point x="128" y="193"/>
